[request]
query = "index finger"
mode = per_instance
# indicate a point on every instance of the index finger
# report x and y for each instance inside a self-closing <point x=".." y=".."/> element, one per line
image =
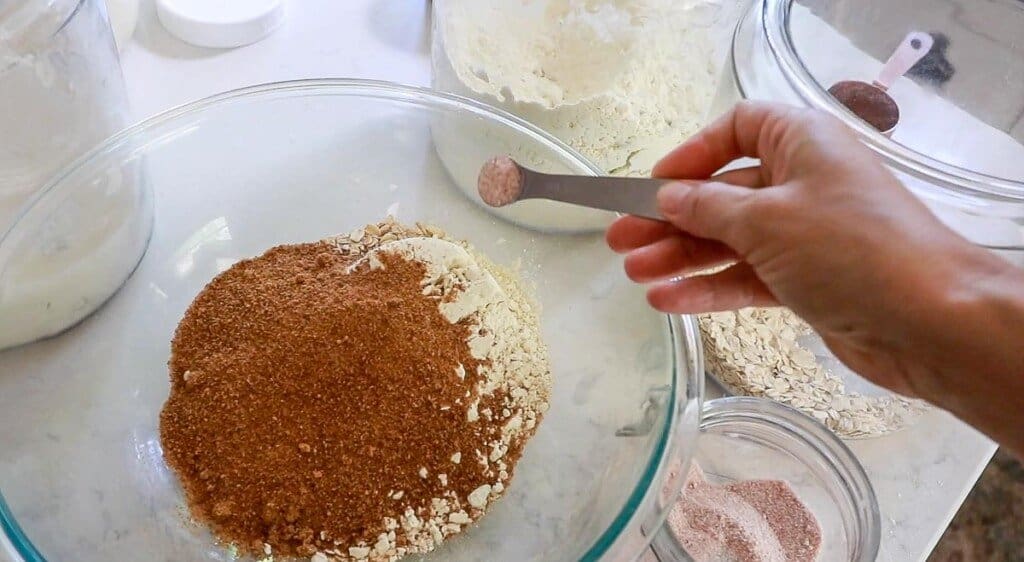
<point x="750" y="129"/>
<point x="629" y="233"/>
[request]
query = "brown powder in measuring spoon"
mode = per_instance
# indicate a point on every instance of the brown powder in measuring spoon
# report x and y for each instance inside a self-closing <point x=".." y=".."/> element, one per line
<point x="868" y="102"/>
<point x="314" y="409"/>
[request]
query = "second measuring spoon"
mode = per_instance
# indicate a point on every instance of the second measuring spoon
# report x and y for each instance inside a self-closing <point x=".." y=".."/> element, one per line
<point x="871" y="102"/>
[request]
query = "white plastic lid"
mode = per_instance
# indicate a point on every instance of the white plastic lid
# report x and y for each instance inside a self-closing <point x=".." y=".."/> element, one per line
<point x="220" y="23"/>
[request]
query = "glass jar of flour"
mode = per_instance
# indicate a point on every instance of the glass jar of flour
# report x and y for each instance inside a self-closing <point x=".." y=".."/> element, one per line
<point x="62" y="92"/>
<point x="620" y="81"/>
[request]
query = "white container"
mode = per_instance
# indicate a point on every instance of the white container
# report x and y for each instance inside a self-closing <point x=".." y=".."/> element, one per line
<point x="62" y="92"/>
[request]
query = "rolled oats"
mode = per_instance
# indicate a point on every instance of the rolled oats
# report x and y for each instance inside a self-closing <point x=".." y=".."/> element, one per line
<point x="757" y="352"/>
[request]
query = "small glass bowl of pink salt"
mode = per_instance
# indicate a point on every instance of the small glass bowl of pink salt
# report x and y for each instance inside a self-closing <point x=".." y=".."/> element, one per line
<point x="770" y="484"/>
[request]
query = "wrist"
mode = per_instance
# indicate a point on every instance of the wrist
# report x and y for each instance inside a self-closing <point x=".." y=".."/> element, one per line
<point x="971" y="351"/>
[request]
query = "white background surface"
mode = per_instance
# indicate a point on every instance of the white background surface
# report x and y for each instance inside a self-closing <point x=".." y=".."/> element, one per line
<point x="378" y="39"/>
<point x="920" y="475"/>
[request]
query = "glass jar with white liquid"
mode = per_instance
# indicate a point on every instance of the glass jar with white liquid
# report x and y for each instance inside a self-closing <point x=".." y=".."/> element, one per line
<point x="61" y="93"/>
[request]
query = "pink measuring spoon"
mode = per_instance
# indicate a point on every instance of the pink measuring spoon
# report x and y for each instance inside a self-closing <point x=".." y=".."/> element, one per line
<point x="871" y="102"/>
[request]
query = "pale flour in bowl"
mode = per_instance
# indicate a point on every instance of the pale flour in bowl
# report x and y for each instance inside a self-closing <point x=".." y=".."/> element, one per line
<point x="620" y="81"/>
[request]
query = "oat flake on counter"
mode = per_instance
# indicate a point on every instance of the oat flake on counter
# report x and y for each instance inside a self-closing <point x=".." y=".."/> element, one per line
<point x="757" y="352"/>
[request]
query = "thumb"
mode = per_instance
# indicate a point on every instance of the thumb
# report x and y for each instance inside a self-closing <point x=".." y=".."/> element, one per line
<point x="709" y="209"/>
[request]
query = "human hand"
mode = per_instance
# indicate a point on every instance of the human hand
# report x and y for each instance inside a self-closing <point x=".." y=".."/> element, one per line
<point x="822" y="227"/>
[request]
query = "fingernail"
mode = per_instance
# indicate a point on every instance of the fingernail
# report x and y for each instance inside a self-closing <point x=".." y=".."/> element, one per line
<point x="671" y="195"/>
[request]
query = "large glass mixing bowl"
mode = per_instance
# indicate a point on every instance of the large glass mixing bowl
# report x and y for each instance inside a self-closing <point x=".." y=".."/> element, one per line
<point x="80" y="461"/>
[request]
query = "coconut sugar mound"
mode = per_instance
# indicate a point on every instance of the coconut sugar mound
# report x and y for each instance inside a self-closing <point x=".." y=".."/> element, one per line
<point x="360" y="398"/>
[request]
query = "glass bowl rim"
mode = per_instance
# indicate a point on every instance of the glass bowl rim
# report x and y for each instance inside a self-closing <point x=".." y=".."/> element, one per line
<point x="683" y="331"/>
<point x="962" y="182"/>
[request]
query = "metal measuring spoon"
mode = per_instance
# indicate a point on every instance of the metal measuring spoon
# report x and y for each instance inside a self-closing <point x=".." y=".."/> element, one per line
<point x="870" y="102"/>
<point x="503" y="181"/>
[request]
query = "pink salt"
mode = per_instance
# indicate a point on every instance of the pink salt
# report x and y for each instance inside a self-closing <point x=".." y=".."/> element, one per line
<point x="797" y="529"/>
<point x="500" y="181"/>
<point x="694" y="478"/>
<point x="717" y="524"/>
<point x="751" y="521"/>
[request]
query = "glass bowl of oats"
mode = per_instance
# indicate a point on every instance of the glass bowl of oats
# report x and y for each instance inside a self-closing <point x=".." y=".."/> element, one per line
<point x="85" y="475"/>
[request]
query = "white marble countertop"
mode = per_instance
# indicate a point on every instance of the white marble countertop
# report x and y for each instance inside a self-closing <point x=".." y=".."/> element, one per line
<point x="921" y="475"/>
